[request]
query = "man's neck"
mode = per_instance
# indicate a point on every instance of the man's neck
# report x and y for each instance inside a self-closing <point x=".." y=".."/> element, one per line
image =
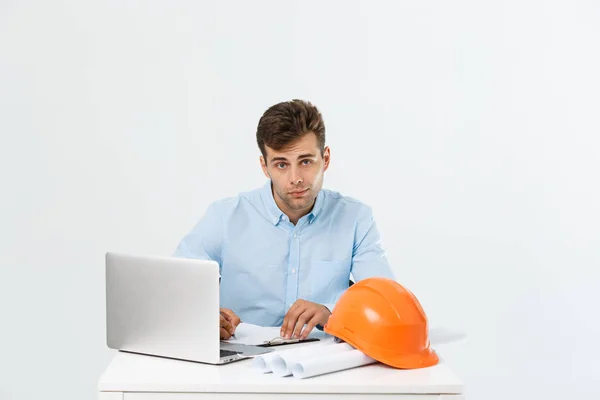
<point x="294" y="217"/>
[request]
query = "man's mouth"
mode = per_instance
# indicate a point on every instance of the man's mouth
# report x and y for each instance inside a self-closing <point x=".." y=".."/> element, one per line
<point x="299" y="193"/>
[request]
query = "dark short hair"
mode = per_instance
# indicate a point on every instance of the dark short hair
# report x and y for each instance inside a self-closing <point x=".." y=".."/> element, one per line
<point x="286" y="122"/>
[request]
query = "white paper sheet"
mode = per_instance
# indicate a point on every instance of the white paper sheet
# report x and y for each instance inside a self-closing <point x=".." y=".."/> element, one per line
<point x="306" y="368"/>
<point x="256" y="335"/>
<point x="282" y="363"/>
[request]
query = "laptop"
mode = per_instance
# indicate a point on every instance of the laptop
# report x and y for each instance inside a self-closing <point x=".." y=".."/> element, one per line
<point x="167" y="307"/>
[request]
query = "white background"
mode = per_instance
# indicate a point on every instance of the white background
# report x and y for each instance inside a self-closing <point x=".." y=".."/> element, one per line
<point x="471" y="127"/>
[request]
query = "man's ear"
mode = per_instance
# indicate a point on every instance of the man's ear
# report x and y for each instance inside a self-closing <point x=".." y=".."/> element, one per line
<point x="263" y="165"/>
<point x="326" y="158"/>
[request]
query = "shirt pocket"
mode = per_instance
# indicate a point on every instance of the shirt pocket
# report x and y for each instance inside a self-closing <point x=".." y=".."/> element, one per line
<point x="330" y="279"/>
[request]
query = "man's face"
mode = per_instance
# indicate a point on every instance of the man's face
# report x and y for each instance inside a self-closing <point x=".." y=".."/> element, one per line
<point x="297" y="174"/>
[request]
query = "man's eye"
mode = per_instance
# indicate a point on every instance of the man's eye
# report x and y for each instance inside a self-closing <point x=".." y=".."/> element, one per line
<point x="281" y="165"/>
<point x="306" y="162"/>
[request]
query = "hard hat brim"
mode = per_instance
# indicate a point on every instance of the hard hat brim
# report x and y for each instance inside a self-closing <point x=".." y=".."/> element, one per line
<point x="425" y="358"/>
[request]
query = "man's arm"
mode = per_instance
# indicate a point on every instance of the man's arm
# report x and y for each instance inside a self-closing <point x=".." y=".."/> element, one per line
<point x="368" y="260"/>
<point x="368" y="256"/>
<point x="205" y="240"/>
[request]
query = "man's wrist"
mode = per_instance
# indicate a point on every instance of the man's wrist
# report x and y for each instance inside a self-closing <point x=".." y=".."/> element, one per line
<point x="323" y="322"/>
<point x="329" y="307"/>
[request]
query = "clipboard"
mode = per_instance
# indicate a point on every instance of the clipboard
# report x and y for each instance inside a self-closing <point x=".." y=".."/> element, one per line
<point x="279" y="341"/>
<point x="266" y="336"/>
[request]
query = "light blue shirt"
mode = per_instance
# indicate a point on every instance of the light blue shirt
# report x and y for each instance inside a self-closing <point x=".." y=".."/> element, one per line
<point x="267" y="263"/>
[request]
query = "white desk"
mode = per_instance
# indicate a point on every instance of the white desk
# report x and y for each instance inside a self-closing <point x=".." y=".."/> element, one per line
<point x="138" y="377"/>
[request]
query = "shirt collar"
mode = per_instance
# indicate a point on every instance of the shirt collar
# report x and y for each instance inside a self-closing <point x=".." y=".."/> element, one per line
<point x="317" y="207"/>
<point x="273" y="211"/>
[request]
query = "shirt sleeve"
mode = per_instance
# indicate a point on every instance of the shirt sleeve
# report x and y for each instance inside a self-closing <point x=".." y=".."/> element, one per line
<point x="368" y="256"/>
<point x="205" y="240"/>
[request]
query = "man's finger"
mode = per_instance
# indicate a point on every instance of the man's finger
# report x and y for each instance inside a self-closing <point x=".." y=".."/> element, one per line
<point x="284" y="324"/>
<point x="310" y="326"/>
<point x="235" y="320"/>
<point x="302" y="318"/>
<point x="292" y="319"/>
<point x="226" y="325"/>
<point x="227" y="313"/>
<point x="224" y="334"/>
<point x="231" y="317"/>
<point x="286" y="319"/>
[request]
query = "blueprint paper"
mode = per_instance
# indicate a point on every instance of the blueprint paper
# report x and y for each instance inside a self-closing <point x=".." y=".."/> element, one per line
<point x="306" y="368"/>
<point x="264" y="362"/>
<point x="282" y="363"/>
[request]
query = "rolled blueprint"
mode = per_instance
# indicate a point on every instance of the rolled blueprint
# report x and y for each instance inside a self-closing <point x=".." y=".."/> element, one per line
<point x="306" y="368"/>
<point x="331" y="356"/>
<point x="263" y="363"/>
<point x="282" y="363"/>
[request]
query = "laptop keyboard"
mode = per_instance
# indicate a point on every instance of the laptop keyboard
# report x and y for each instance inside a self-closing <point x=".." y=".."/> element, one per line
<point x="227" y="353"/>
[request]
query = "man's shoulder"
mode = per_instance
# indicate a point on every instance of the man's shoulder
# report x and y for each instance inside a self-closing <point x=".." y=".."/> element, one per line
<point x="337" y="200"/>
<point x="230" y="203"/>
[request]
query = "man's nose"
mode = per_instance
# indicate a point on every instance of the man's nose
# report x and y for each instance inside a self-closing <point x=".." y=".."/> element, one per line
<point x="295" y="177"/>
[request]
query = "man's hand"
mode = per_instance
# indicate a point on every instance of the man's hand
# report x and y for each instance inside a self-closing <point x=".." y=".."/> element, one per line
<point x="229" y="321"/>
<point x="302" y="313"/>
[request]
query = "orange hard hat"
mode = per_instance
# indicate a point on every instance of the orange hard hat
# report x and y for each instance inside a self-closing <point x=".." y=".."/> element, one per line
<point x="385" y="321"/>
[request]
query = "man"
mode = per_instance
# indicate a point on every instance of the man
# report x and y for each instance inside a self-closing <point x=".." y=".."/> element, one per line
<point x="286" y="251"/>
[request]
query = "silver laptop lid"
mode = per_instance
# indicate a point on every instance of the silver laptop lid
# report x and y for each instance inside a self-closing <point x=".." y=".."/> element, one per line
<point x="163" y="306"/>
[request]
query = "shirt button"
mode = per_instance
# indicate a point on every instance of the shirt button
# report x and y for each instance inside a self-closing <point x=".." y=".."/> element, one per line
<point x="295" y="235"/>
<point x="294" y="271"/>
